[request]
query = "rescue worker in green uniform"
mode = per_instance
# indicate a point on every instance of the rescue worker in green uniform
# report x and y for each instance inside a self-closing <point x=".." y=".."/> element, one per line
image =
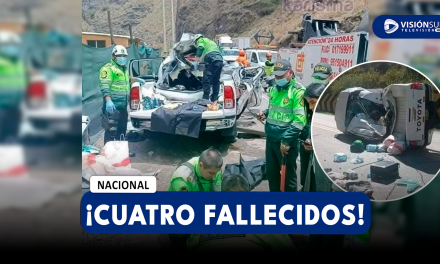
<point x="114" y="82"/>
<point x="199" y="174"/>
<point x="210" y="54"/>
<point x="13" y="84"/>
<point x="210" y="242"/>
<point x="268" y="65"/>
<point x="284" y="120"/>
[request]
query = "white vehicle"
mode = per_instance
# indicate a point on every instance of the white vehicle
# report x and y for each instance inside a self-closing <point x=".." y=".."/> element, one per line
<point x="237" y="91"/>
<point x="53" y="105"/>
<point x="340" y="51"/>
<point x="404" y="110"/>
<point x="224" y="41"/>
<point x="242" y="42"/>
<point x="230" y="55"/>
<point x="257" y="57"/>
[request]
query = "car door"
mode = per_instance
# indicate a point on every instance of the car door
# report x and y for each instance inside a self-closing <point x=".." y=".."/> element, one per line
<point x="254" y="59"/>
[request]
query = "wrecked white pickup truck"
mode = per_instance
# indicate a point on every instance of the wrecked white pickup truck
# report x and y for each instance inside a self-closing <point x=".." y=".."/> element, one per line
<point x="406" y="111"/>
<point x="177" y="81"/>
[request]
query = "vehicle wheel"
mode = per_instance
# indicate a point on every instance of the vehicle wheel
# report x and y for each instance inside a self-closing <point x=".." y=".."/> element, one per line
<point x="244" y="108"/>
<point x="229" y="135"/>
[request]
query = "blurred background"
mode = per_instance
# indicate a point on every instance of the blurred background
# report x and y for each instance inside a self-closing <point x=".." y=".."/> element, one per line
<point x="40" y="120"/>
<point x="412" y="222"/>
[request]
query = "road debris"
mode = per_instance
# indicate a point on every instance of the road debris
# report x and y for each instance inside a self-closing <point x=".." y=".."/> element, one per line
<point x="350" y="174"/>
<point x="360" y="186"/>
<point x="371" y="148"/>
<point x="411" y="185"/>
<point x="357" y="160"/>
<point x="339" y="157"/>
<point x="357" y="147"/>
<point x="150" y="153"/>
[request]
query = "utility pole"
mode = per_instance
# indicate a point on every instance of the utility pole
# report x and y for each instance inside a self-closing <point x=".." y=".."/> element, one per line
<point x="172" y="23"/>
<point x="164" y="28"/>
<point x="110" y="27"/>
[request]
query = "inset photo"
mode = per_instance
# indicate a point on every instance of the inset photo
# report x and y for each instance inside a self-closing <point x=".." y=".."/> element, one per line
<point x="376" y="130"/>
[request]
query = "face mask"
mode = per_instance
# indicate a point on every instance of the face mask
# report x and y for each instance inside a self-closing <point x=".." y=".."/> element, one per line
<point x="10" y="51"/>
<point x="121" y="60"/>
<point x="281" y="82"/>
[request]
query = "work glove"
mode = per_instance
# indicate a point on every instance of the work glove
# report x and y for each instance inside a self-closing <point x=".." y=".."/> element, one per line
<point x="141" y="81"/>
<point x="110" y="107"/>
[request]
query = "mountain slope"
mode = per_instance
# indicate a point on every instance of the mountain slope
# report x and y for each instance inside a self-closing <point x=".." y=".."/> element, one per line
<point x="212" y="17"/>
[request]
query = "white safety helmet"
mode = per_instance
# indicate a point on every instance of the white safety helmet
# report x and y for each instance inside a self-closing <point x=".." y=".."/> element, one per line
<point x="119" y="50"/>
<point x="197" y="36"/>
<point x="7" y="37"/>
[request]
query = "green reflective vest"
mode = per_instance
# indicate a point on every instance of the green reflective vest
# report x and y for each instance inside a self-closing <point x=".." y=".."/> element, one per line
<point x="13" y="82"/>
<point x="269" y="67"/>
<point x="114" y="81"/>
<point x="208" y="46"/>
<point x="285" y="106"/>
<point x="183" y="179"/>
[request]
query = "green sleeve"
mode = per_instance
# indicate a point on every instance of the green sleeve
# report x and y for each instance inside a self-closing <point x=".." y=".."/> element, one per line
<point x="200" y="47"/>
<point x="105" y="80"/>
<point x="199" y="51"/>
<point x="218" y="182"/>
<point x="266" y="112"/>
<point x="299" y="119"/>
<point x="178" y="185"/>
<point x="305" y="133"/>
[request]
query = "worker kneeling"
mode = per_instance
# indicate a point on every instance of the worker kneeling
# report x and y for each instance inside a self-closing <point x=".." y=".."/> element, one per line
<point x="199" y="173"/>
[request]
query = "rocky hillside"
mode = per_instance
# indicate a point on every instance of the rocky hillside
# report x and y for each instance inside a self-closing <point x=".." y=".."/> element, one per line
<point x="211" y="17"/>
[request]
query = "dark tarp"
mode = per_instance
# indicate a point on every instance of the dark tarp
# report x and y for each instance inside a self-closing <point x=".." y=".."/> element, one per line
<point x="254" y="171"/>
<point x="185" y="120"/>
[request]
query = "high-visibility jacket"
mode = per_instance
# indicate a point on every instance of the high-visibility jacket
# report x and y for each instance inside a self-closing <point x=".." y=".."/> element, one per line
<point x="269" y="67"/>
<point x="13" y="82"/>
<point x="114" y="81"/>
<point x="242" y="60"/>
<point x="186" y="179"/>
<point x="285" y="117"/>
<point x="208" y="46"/>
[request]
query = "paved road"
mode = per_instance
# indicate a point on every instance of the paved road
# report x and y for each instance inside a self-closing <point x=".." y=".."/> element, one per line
<point x="421" y="165"/>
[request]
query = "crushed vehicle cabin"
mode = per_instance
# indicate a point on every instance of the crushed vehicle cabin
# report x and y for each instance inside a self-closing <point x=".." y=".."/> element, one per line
<point x="406" y="111"/>
<point x="177" y="80"/>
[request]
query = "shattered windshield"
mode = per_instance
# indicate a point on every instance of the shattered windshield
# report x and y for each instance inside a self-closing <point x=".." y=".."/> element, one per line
<point x="375" y="111"/>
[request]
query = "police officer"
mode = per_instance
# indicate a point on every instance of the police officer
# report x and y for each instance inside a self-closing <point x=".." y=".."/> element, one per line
<point x="210" y="54"/>
<point x="13" y="83"/>
<point x="322" y="73"/>
<point x="114" y="82"/>
<point x="199" y="173"/>
<point x="285" y="117"/>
